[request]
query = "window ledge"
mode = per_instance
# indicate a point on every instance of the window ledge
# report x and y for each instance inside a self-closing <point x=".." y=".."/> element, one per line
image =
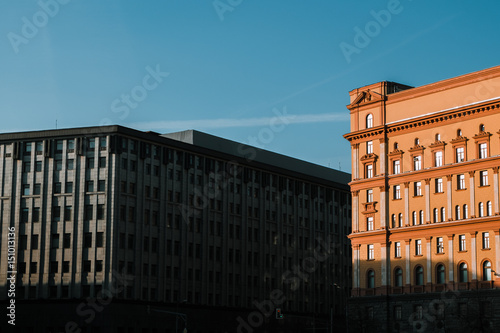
<point x="462" y="251"/>
<point x="487" y="185"/>
<point x="419" y="255"/>
<point x="486" y="249"/>
<point x="439" y="253"/>
<point x="461" y="189"/>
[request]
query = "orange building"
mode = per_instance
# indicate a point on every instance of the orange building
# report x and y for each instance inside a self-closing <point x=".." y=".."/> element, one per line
<point x="425" y="204"/>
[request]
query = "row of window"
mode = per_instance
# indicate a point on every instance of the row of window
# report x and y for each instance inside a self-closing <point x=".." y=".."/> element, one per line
<point x="440" y="278"/>
<point x="68" y="213"/>
<point x="55" y="241"/>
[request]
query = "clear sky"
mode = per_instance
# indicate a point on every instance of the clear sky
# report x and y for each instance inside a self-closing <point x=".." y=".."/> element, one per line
<point x="275" y="74"/>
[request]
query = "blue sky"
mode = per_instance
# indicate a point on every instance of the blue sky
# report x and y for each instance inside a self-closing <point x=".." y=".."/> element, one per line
<point x="272" y="73"/>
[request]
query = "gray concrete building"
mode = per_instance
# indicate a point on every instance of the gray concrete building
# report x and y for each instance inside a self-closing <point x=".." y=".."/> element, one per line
<point x="118" y="230"/>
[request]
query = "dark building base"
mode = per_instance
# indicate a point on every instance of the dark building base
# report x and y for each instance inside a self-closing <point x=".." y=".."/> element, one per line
<point x="448" y="311"/>
<point x="138" y="317"/>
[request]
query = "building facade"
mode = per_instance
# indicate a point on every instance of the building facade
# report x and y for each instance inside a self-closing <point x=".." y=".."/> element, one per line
<point x="118" y="230"/>
<point x="425" y="198"/>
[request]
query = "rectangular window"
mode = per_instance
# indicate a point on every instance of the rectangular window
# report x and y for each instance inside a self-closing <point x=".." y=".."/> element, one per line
<point x="483" y="178"/>
<point x="98" y="266"/>
<point x="70" y="163"/>
<point x="439" y="185"/>
<point x="417" y="163"/>
<point x="460" y="154"/>
<point x="369" y="196"/>
<point x="397" y="249"/>
<point x="99" y="239"/>
<point x="418" y="247"/>
<point x="397" y="312"/>
<point x="57" y="188"/>
<point x="69" y="187"/>
<point x="438" y="158"/>
<point x="90" y="163"/>
<point x="369" y="147"/>
<point x="36" y="214"/>
<point x="67" y="241"/>
<point x="101" y="186"/>
<point x="369" y="171"/>
<point x="102" y="162"/>
<point x="483" y="150"/>
<point x="418" y="188"/>
<point x="396" y="166"/>
<point x="439" y="245"/>
<point x="37" y="189"/>
<point x="26" y="189"/>
<point x="461" y="182"/>
<point x="486" y="240"/>
<point x="371" y="252"/>
<point x="58" y="165"/>
<point x="34" y="242"/>
<point x="54" y="242"/>
<point x="38" y="166"/>
<point x="461" y="243"/>
<point x="87" y="239"/>
<point x="397" y="192"/>
<point x="89" y="212"/>
<point x="369" y="223"/>
<point x="71" y="145"/>
<point x="68" y="213"/>
<point x="87" y="265"/>
<point x="65" y="267"/>
<point x="26" y="166"/>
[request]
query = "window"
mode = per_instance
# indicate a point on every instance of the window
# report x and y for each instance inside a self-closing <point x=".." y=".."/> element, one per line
<point x="87" y="266"/>
<point x="440" y="274"/>
<point x="417" y="163"/>
<point x="421" y="219"/>
<point x="480" y="210"/>
<point x="57" y="188"/>
<point x="486" y="240"/>
<point x="369" y="196"/>
<point x="438" y="158"/>
<point x="400" y="220"/>
<point x="397" y="249"/>
<point x="397" y="192"/>
<point x="369" y="147"/>
<point x="100" y="211"/>
<point x="481" y="128"/>
<point x="26" y="166"/>
<point x="457" y="212"/>
<point x="89" y="186"/>
<point x="438" y="137"/>
<point x="419" y="276"/>
<point x="69" y="187"/>
<point x="439" y="185"/>
<point x="67" y="241"/>
<point x="486" y="271"/>
<point x="369" y="171"/>
<point x="54" y="243"/>
<point x="463" y="273"/>
<point x="398" y="312"/>
<point x="370" y="279"/>
<point x="99" y="239"/>
<point x="414" y="218"/>
<point x="70" y="163"/>
<point x="418" y="247"/>
<point x="418" y="189"/>
<point x="36" y="214"/>
<point x="34" y="242"/>
<point x="439" y="245"/>
<point x="483" y="178"/>
<point x="98" y="266"/>
<point x="466" y="212"/>
<point x="460" y="154"/>
<point x="436" y="215"/>
<point x="369" y="121"/>
<point x="102" y="162"/>
<point x="489" y="211"/>
<point x="371" y="252"/>
<point x="483" y="150"/>
<point x="87" y="239"/>
<point x="461" y="243"/>
<point x="443" y="214"/>
<point x="417" y="141"/>
<point x="101" y="186"/>
<point x="26" y="189"/>
<point x="396" y="167"/>
<point x="38" y="166"/>
<point x="369" y="223"/>
<point x="398" y="277"/>
<point x="461" y="182"/>
<point x="394" y="225"/>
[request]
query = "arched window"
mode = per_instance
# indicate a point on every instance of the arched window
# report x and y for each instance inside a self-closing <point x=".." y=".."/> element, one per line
<point x="414" y="218"/>
<point x="369" y="121"/>
<point x="489" y="211"/>
<point x="398" y="277"/>
<point x="417" y="141"/>
<point x="370" y="279"/>
<point x="394" y="220"/>
<point x="457" y="212"/>
<point x="419" y="276"/>
<point x="486" y="271"/>
<point x="421" y="221"/>
<point x="459" y="132"/>
<point x="466" y="212"/>
<point x="480" y="210"/>
<point x="481" y="128"/>
<point x="396" y="146"/>
<point x="438" y="137"/>
<point x="440" y="274"/>
<point x="436" y="215"/>
<point x="443" y="214"/>
<point x="462" y="272"/>
<point x="400" y="220"/>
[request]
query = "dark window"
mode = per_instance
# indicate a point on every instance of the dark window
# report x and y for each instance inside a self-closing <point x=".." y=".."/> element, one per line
<point x="67" y="240"/>
<point x="87" y="239"/>
<point x="99" y="239"/>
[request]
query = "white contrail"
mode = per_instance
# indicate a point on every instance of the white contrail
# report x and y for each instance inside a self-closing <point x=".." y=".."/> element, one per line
<point x="245" y="122"/>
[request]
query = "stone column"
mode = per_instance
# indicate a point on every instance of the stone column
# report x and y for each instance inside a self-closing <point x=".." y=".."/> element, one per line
<point x="382" y="209"/>
<point x="451" y="263"/>
<point x="355" y="158"/>
<point x="355" y="210"/>
<point x="473" y="256"/>
<point x="407" y="256"/>
<point x="407" y="203"/>
<point x="472" y="195"/>
<point x="448" y="195"/>
<point x="382" y="156"/>
<point x="428" y="198"/>
<point x="495" y="190"/>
